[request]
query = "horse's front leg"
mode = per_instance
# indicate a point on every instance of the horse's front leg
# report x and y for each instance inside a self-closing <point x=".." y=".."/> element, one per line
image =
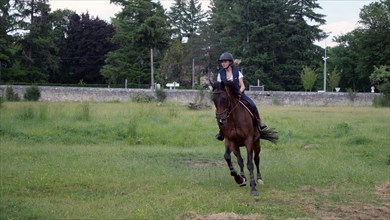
<point x="233" y="172"/>
<point x="252" y="176"/>
<point x="240" y="162"/>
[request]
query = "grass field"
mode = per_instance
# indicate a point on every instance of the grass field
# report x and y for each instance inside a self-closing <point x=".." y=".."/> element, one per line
<point x="143" y="161"/>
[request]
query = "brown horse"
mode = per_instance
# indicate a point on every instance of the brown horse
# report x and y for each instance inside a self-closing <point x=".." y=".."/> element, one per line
<point x="239" y="128"/>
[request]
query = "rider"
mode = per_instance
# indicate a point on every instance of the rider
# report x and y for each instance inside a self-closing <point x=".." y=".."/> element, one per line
<point x="229" y="72"/>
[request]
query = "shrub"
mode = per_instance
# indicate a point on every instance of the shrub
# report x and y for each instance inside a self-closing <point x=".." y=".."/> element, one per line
<point x="1" y="101"/>
<point x="200" y="102"/>
<point x="161" y="95"/>
<point x="10" y="95"/>
<point x="351" y="94"/>
<point x="308" y="78"/>
<point x="32" y="94"/>
<point x="142" y="97"/>
<point x="334" y="79"/>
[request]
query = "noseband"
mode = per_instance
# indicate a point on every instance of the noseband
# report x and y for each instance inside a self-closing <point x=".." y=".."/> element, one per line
<point x="224" y="115"/>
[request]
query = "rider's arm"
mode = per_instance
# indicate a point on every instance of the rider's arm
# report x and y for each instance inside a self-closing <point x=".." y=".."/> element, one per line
<point x="241" y="81"/>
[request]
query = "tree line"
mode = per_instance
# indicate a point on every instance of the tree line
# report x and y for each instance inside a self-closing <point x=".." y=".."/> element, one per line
<point x="273" y="38"/>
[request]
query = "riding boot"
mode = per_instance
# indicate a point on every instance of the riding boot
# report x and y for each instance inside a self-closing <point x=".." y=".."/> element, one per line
<point x="261" y="126"/>
<point x="219" y="136"/>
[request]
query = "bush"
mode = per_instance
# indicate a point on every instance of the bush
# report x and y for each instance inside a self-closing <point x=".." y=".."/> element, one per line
<point x="200" y="102"/>
<point x="308" y="78"/>
<point x="32" y="94"/>
<point x="351" y="94"/>
<point x="1" y="101"/>
<point x="10" y="95"/>
<point x="161" y="95"/>
<point x="142" y="97"/>
<point x="385" y="96"/>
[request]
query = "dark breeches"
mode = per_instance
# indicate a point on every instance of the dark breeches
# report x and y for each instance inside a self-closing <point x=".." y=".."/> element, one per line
<point x="252" y="104"/>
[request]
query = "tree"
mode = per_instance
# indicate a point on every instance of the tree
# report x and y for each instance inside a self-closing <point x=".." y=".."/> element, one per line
<point x="334" y="79"/>
<point x="141" y="26"/>
<point x="87" y="43"/>
<point x="308" y="78"/>
<point x="381" y="78"/>
<point x="172" y="66"/>
<point x="186" y="17"/>
<point x="363" y="48"/>
<point x="177" y="17"/>
<point x="273" y="38"/>
<point x="195" y="17"/>
<point x="36" y="57"/>
<point x="6" y="40"/>
<point x="373" y="39"/>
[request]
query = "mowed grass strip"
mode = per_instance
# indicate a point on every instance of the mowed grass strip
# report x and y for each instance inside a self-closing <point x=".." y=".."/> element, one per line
<point x="143" y="161"/>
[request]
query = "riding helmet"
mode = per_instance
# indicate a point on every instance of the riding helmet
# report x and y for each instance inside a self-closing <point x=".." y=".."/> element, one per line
<point x="226" y="56"/>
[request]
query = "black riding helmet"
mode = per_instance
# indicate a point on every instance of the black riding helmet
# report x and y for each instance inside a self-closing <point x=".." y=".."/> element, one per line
<point x="226" y="56"/>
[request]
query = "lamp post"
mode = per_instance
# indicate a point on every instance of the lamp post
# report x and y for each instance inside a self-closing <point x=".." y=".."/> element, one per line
<point x="325" y="58"/>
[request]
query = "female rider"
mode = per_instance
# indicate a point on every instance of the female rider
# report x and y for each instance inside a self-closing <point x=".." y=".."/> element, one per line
<point x="229" y="72"/>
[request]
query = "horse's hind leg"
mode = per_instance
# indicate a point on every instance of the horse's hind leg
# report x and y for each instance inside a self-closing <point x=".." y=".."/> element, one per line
<point x="233" y="172"/>
<point x="252" y="176"/>
<point x="257" y="163"/>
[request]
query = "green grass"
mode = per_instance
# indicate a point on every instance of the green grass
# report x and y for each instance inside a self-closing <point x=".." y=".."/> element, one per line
<point x="143" y="161"/>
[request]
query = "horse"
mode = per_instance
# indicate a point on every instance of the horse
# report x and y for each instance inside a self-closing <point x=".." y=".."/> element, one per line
<point x="238" y="126"/>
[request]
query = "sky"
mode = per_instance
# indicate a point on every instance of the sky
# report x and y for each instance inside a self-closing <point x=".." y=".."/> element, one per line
<point x="342" y="16"/>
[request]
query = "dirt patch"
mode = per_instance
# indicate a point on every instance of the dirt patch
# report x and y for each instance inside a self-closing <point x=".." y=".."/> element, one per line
<point x="199" y="163"/>
<point x="384" y="191"/>
<point x="356" y="211"/>
<point x="308" y="146"/>
<point x="219" y="216"/>
<point x="321" y="210"/>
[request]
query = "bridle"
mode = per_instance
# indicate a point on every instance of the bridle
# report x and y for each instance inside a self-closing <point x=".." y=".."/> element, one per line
<point x="224" y="115"/>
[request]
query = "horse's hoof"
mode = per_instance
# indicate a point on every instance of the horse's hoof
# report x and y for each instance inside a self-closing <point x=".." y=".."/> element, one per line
<point x="243" y="182"/>
<point x="260" y="182"/>
<point x="255" y="193"/>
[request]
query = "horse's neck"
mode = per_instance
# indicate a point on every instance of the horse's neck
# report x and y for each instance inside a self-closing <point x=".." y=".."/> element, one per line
<point x="238" y="112"/>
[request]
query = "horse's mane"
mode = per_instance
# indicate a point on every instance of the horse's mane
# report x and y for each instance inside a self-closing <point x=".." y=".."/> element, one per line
<point x="234" y="88"/>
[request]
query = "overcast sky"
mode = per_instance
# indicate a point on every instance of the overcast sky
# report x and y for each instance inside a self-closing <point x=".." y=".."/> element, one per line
<point x="341" y="15"/>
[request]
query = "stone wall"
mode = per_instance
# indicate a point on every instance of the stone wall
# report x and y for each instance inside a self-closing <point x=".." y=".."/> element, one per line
<point x="78" y="94"/>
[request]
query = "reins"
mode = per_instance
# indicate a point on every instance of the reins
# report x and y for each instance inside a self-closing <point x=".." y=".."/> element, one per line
<point x="218" y="115"/>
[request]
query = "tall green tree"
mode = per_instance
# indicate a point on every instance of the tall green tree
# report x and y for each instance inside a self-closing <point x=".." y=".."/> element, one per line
<point x="273" y="38"/>
<point x="177" y="18"/>
<point x="363" y="48"/>
<point x="186" y="17"/>
<point x="87" y="43"/>
<point x="37" y="57"/>
<point x="308" y="78"/>
<point x="142" y="25"/>
<point x="6" y="40"/>
<point x="195" y="17"/>
<point x="373" y="39"/>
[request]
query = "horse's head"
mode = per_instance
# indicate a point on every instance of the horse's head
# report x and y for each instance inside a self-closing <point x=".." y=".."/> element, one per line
<point x="224" y="94"/>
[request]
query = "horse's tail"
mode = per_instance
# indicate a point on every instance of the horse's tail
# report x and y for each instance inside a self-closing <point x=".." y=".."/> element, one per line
<point x="269" y="134"/>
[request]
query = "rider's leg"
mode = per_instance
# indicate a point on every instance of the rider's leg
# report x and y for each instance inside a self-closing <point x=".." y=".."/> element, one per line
<point x="260" y="125"/>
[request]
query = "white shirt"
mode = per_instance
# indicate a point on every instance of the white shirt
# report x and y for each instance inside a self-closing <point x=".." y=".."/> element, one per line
<point x="231" y="78"/>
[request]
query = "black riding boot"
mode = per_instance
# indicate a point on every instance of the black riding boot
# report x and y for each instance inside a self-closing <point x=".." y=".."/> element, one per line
<point x="261" y="126"/>
<point x="219" y="136"/>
